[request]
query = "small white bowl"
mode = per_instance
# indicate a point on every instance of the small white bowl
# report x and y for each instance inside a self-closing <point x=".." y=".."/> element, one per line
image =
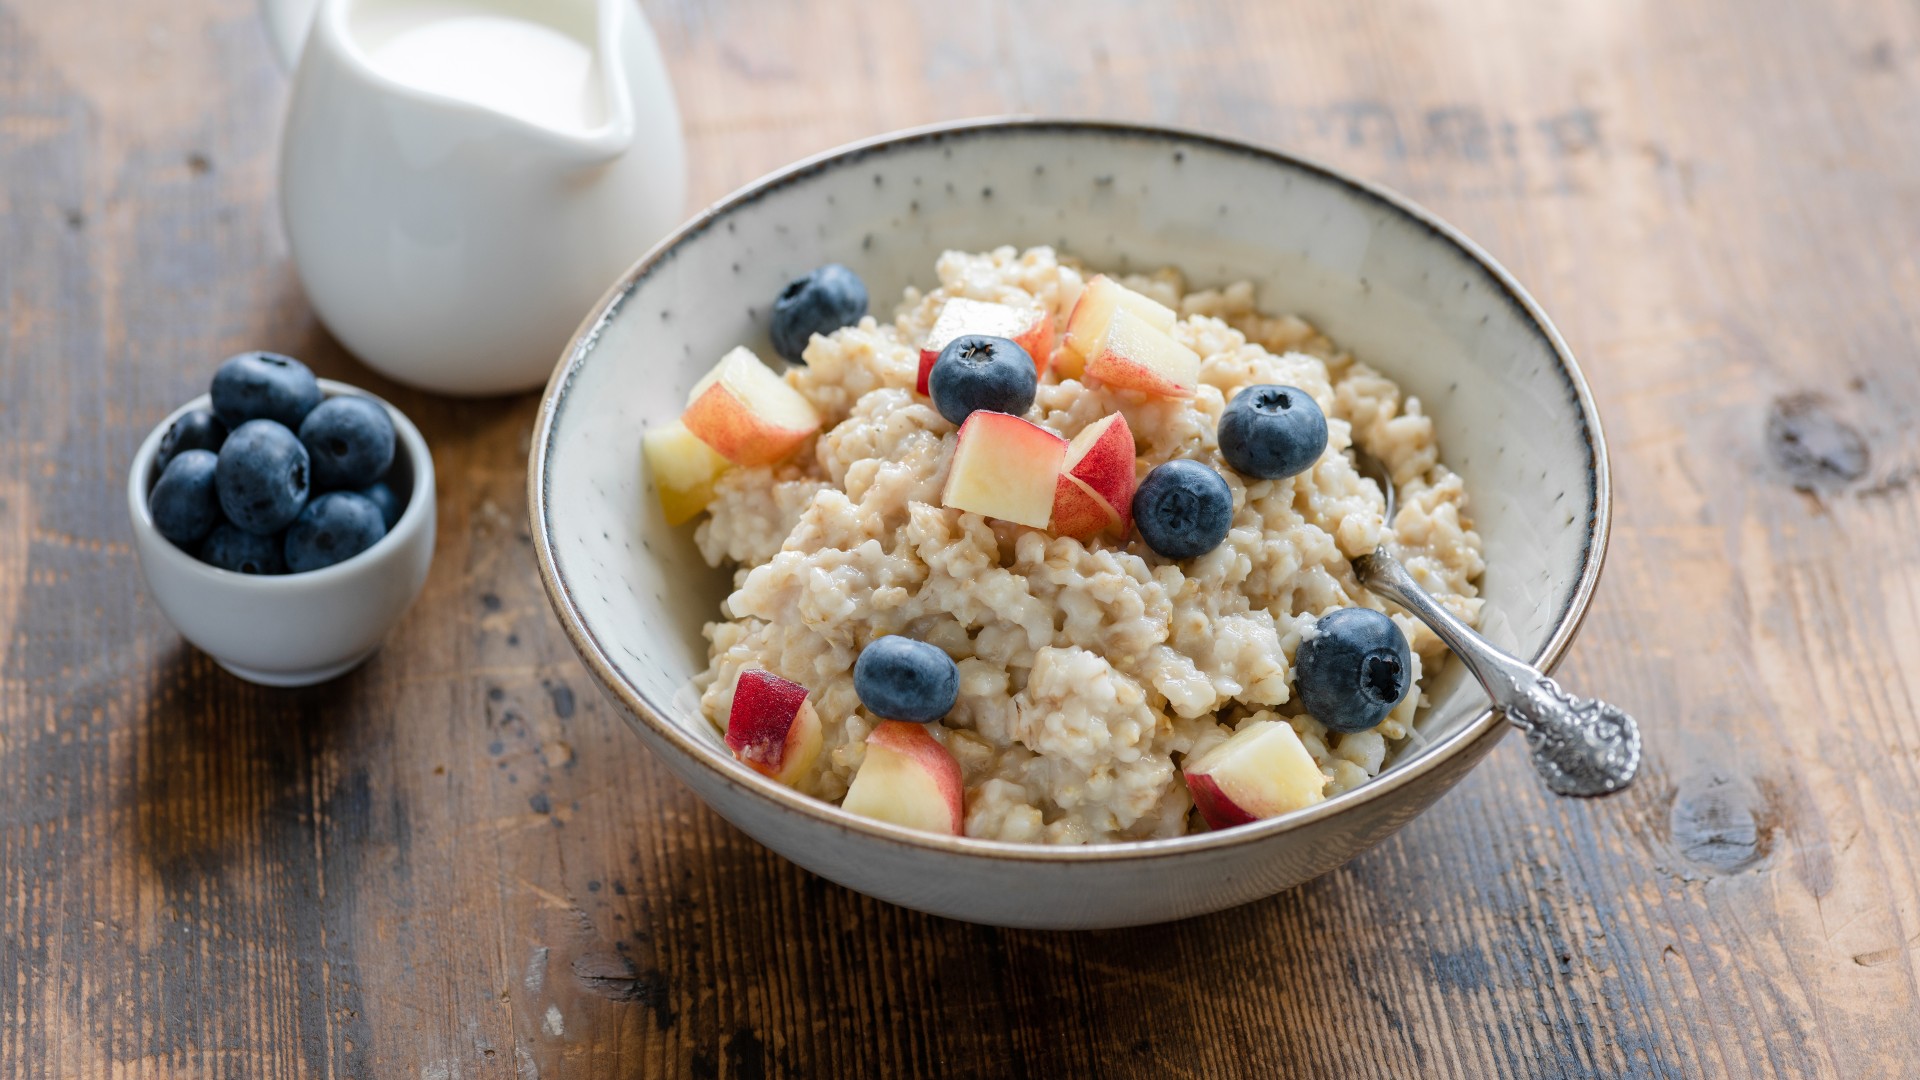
<point x="1380" y="275"/>
<point x="292" y="629"/>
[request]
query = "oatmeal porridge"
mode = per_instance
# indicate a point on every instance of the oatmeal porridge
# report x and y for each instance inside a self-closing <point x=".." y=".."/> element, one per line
<point x="1098" y="656"/>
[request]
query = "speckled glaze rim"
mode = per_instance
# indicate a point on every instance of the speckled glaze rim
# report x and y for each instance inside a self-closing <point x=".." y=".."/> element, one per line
<point x="709" y="756"/>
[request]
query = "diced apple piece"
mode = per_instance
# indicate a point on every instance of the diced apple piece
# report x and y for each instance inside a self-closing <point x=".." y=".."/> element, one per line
<point x="747" y="413"/>
<point x="1261" y="772"/>
<point x="1037" y="339"/>
<point x="1068" y="364"/>
<point x="683" y="469"/>
<point x="1031" y="330"/>
<point x="1137" y="356"/>
<point x="1005" y="467"/>
<point x="1088" y="322"/>
<point x="1078" y="512"/>
<point x="1095" y="491"/>
<point x="1101" y="457"/>
<point x="772" y="727"/>
<point x="909" y="779"/>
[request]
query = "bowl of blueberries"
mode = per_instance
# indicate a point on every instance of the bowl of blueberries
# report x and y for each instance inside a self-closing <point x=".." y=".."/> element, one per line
<point x="283" y="522"/>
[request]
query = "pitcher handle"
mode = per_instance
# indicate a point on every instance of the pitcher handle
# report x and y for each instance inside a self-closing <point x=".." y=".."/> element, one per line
<point x="287" y="24"/>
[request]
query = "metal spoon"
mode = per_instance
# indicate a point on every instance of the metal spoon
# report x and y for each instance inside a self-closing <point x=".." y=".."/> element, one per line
<point x="1580" y="746"/>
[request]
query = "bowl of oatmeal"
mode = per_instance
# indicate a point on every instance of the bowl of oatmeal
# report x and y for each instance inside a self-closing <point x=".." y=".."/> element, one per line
<point x="1055" y="647"/>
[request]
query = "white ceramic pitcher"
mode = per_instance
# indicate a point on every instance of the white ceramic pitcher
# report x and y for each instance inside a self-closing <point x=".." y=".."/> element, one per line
<point x="461" y="179"/>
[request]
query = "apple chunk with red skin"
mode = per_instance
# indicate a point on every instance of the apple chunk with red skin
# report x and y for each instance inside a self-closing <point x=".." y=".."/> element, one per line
<point x="909" y="779"/>
<point x="1031" y="330"/>
<point x="1092" y="314"/>
<point x="1078" y="512"/>
<point x="1139" y="356"/>
<point x="1005" y="467"/>
<point x="747" y="413"/>
<point x="772" y="727"/>
<point x="1095" y="491"/>
<point x="1263" y="771"/>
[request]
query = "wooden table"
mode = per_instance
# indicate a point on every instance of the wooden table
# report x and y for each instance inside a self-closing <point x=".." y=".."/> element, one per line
<point x="456" y="862"/>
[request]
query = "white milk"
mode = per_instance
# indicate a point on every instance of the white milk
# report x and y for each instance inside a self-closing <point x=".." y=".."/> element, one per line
<point x="486" y="55"/>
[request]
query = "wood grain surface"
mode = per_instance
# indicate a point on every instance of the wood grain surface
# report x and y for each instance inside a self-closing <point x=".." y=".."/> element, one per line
<point x="455" y="862"/>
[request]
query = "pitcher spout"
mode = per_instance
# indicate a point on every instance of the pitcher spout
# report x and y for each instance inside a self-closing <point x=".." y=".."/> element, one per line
<point x="606" y="91"/>
<point x="615" y="82"/>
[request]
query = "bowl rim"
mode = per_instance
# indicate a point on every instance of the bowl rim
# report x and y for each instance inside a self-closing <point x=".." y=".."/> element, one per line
<point x="177" y="560"/>
<point x="780" y="797"/>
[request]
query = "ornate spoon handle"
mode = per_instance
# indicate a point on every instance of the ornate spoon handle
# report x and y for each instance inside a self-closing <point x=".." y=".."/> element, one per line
<point x="1580" y="746"/>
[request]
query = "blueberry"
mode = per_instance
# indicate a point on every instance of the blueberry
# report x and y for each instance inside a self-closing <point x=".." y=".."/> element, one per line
<point x="823" y="301"/>
<point x="1353" y="670"/>
<point x="383" y="497"/>
<point x="350" y="441"/>
<point x="333" y="528"/>
<point x="979" y="372"/>
<point x="230" y="547"/>
<point x="264" y="386"/>
<point x="1272" y="432"/>
<point x="1183" y="509"/>
<point x="899" y="678"/>
<point x="263" y="477"/>
<point x="183" y="502"/>
<point x="196" y="430"/>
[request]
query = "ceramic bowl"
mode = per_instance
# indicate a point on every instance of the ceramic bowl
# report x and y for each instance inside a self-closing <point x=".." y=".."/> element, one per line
<point x="1380" y="275"/>
<point x="292" y="629"/>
